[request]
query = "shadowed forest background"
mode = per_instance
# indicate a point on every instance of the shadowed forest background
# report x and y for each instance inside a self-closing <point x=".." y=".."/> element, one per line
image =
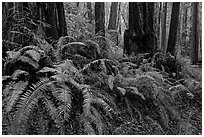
<point x="115" y="68"/>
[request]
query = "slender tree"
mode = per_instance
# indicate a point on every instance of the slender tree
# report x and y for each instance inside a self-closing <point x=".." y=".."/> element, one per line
<point x="113" y="16"/>
<point x="194" y="33"/>
<point x="173" y="28"/>
<point x="100" y="18"/>
<point x="163" y="27"/>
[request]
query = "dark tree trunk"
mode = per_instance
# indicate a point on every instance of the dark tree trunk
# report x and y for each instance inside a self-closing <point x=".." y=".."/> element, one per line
<point x="54" y="15"/>
<point x="140" y="37"/>
<point x="163" y="28"/>
<point x="50" y="18"/>
<point x="173" y="28"/>
<point x="151" y="14"/>
<point x="194" y="34"/>
<point x="61" y="19"/>
<point x="113" y="16"/>
<point x="100" y="18"/>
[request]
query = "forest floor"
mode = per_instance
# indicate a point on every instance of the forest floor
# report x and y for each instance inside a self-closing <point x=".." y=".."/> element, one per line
<point x="127" y="96"/>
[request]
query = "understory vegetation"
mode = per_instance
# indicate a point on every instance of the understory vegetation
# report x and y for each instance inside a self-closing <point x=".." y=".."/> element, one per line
<point x="77" y="88"/>
<point x="84" y="84"/>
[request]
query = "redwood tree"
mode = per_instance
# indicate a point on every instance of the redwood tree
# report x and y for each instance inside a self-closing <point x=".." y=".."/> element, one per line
<point x="173" y="28"/>
<point x="194" y="34"/>
<point x="100" y="18"/>
<point x="54" y="16"/>
<point x="113" y="16"/>
<point x="163" y="28"/>
<point x="141" y="38"/>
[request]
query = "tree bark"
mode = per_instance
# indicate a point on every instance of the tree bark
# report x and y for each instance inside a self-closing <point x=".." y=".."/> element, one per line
<point x="163" y="26"/>
<point x="100" y="18"/>
<point x="113" y="16"/>
<point x="173" y="28"/>
<point x="61" y="19"/>
<point x="50" y="18"/>
<point x="141" y="37"/>
<point x="194" y="34"/>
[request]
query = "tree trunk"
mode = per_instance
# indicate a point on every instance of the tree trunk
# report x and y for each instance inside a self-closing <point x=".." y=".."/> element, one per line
<point x="194" y="33"/>
<point x="163" y="28"/>
<point x="113" y="16"/>
<point x="61" y="19"/>
<point x="90" y="12"/>
<point x="100" y="18"/>
<point x="173" y="28"/>
<point x="50" y="18"/>
<point x="140" y="37"/>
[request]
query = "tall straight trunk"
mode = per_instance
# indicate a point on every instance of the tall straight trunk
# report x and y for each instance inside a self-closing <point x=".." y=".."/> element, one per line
<point x="100" y="18"/>
<point x="50" y="17"/>
<point x="173" y="28"/>
<point x="151" y="14"/>
<point x="113" y="16"/>
<point x="140" y="38"/>
<point x="194" y="34"/>
<point x="61" y="19"/>
<point x="159" y="24"/>
<point x="163" y="26"/>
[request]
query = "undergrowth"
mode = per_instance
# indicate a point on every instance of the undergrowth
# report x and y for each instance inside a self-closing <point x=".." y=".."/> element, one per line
<point x="77" y="88"/>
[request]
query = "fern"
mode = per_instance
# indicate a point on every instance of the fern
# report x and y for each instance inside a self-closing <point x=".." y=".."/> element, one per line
<point x="14" y="92"/>
<point x="28" y="100"/>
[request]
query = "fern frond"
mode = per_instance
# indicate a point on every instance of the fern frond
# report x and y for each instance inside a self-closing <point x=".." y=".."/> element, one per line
<point x="52" y="111"/>
<point x="87" y="101"/>
<point x="28" y="100"/>
<point x="19" y="73"/>
<point x="12" y="55"/>
<point x="106" y="108"/>
<point x="64" y="40"/>
<point x="63" y="94"/>
<point x="99" y="93"/>
<point x="129" y="108"/>
<point x="110" y="81"/>
<point x="29" y="61"/>
<point x="122" y="90"/>
<point x="157" y="77"/>
<point x="97" y="120"/>
<point x="5" y="78"/>
<point x="178" y="89"/>
<point x="101" y="65"/>
<point x="16" y="91"/>
<point x="87" y="125"/>
<point x="34" y="55"/>
<point x="31" y="47"/>
<point x="164" y="116"/>
<point x="135" y="91"/>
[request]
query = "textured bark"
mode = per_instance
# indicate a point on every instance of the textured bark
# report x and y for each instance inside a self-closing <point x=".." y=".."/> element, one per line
<point x="113" y="16"/>
<point x="173" y="28"/>
<point x="194" y="34"/>
<point x="54" y="15"/>
<point x="163" y="27"/>
<point x="61" y="19"/>
<point x="50" y="18"/>
<point x="100" y="18"/>
<point x="141" y="37"/>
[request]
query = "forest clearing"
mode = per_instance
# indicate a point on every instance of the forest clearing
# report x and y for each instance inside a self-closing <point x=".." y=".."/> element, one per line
<point x="101" y="68"/>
